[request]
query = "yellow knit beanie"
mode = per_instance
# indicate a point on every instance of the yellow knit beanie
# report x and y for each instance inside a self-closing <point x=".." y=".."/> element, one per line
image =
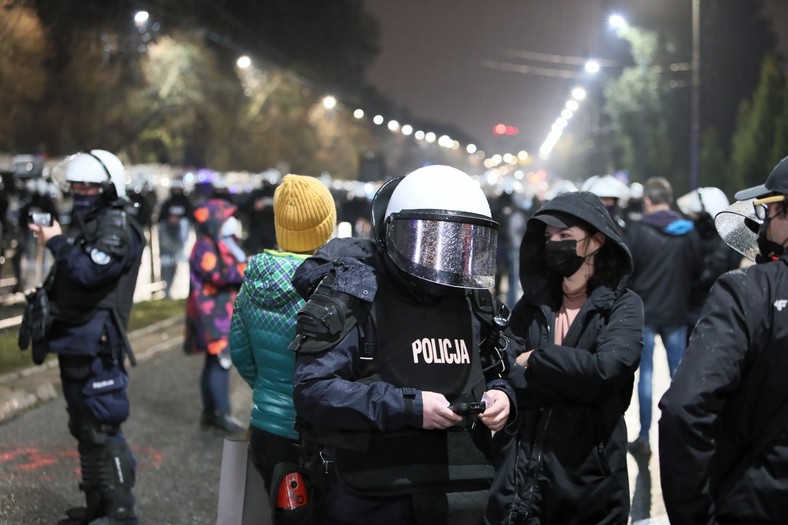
<point x="304" y="214"/>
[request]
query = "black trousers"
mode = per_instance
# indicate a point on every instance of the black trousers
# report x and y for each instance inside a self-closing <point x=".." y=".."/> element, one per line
<point x="268" y="449"/>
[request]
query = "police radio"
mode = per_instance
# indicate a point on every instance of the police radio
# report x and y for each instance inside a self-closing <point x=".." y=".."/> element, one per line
<point x="469" y="411"/>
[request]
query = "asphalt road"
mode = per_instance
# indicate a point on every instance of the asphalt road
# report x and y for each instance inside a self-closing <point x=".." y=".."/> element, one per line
<point x="178" y="462"/>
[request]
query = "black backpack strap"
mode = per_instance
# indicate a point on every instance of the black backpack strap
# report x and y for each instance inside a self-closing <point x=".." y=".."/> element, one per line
<point x="494" y="316"/>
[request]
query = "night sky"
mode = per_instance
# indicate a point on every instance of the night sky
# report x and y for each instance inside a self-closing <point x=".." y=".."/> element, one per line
<point x="446" y="59"/>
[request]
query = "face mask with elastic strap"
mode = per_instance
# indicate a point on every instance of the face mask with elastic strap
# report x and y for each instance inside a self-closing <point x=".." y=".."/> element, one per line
<point x="561" y="256"/>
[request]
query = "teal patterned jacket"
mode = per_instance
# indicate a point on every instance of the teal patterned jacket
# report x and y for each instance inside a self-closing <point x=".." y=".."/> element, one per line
<point x="263" y="324"/>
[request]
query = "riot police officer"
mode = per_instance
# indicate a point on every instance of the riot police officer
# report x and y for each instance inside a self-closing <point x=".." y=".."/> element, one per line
<point x="174" y="219"/>
<point x="90" y="292"/>
<point x="393" y="385"/>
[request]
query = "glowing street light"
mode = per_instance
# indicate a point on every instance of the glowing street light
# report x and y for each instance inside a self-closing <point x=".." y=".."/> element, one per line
<point x="592" y="66"/>
<point x="359" y="113"/>
<point x="329" y="102"/>
<point x="243" y="62"/>
<point x="578" y="93"/>
<point x="140" y="17"/>
<point x="617" y="21"/>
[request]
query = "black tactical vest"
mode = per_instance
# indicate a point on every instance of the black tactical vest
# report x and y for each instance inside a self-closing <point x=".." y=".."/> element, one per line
<point x="71" y="303"/>
<point x="427" y="347"/>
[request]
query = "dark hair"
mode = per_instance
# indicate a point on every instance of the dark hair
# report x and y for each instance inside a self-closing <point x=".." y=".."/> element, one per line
<point x="609" y="265"/>
<point x="658" y="191"/>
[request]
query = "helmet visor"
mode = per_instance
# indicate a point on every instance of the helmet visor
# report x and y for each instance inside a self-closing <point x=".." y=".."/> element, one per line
<point x="738" y="227"/>
<point x="444" y="247"/>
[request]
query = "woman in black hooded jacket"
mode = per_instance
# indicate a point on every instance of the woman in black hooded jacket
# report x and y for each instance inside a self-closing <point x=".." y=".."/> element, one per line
<point x="563" y="459"/>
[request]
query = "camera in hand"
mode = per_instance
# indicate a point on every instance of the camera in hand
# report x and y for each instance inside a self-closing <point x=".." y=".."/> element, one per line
<point x="39" y="218"/>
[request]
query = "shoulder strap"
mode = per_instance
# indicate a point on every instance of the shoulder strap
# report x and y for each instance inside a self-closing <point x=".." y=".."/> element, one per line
<point x="494" y="315"/>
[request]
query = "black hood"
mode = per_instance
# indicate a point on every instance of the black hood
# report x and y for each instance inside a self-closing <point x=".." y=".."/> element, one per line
<point x="537" y="280"/>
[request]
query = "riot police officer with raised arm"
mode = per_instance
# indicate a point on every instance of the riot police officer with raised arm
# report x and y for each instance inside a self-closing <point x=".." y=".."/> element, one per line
<point x="90" y="290"/>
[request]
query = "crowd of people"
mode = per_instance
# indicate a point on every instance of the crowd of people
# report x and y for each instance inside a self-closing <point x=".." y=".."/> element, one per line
<point x="388" y="370"/>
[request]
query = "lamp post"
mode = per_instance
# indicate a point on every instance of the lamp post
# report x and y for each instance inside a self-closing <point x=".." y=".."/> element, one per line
<point x="695" y="102"/>
<point x="619" y="23"/>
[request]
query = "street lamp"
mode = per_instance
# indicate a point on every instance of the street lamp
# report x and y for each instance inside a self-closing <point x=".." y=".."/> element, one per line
<point x="243" y="62"/>
<point x="617" y="21"/>
<point x="592" y="66"/>
<point x="695" y="102"/>
<point x="620" y="24"/>
<point x="329" y="102"/>
<point x="140" y="17"/>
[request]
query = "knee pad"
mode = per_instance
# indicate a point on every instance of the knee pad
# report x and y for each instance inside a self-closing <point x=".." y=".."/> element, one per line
<point x="88" y="431"/>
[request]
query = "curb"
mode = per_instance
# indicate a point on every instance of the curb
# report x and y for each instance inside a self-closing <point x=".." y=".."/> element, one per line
<point x="26" y="388"/>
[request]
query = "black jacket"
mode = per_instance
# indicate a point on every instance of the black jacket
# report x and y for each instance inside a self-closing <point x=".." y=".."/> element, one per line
<point x="726" y="393"/>
<point x="564" y="459"/>
<point x="667" y="257"/>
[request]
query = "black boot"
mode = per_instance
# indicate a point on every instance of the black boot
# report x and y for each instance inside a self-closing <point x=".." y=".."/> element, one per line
<point x="83" y="515"/>
<point x="108" y="474"/>
<point x="90" y="460"/>
<point x="224" y="422"/>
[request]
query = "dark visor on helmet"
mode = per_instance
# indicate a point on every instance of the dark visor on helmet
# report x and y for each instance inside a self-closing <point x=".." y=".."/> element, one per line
<point x="444" y="247"/>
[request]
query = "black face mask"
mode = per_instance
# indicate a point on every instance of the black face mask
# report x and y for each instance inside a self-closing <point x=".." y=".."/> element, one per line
<point x="769" y="250"/>
<point x="562" y="257"/>
<point x="84" y="204"/>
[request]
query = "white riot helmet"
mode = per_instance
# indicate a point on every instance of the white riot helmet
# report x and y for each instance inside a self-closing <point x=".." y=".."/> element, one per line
<point x="607" y="186"/>
<point x="101" y="167"/>
<point x="636" y="191"/>
<point x="437" y="226"/>
<point x="559" y="188"/>
<point x="710" y="199"/>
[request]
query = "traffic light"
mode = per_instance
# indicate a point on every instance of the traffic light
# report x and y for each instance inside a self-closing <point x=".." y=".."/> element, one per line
<point x="503" y="129"/>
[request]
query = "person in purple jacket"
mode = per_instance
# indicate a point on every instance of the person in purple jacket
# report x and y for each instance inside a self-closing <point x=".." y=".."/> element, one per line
<point x="216" y="267"/>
